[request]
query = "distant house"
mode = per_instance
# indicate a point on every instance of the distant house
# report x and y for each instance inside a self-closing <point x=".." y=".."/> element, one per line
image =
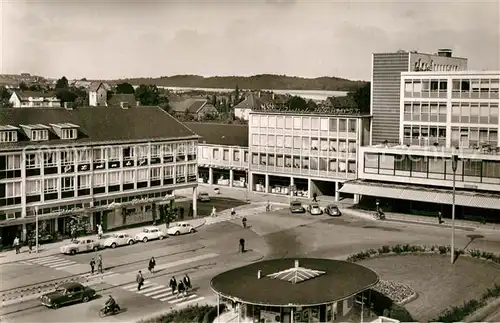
<point x="123" y="100"/>
<point x="251" y="102"/>
<point x="81" y="84"/>
<point x="197" y="108"/>
<point x="32" y="99"/>
<point x="98" y="94"/>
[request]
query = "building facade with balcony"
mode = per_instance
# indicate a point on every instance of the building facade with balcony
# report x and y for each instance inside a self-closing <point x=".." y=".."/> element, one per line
<point x="451" y="109"/>
<point x="443" y="114"/>
<point x="308" y="152"/>
<point x="90" y="165"/>
<point x="32" y="99"/>
<point x="222" y="154"/>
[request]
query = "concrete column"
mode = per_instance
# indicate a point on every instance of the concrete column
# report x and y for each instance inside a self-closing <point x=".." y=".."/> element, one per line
<point x="210" y="176"/>
<point x="231" y="177"/>
<point x="337" y="193"/>
<point x="56" y="225"/>
<point x="309" y="188"/>
<point x="267" y="183"/>
<point x="24" y="233"/>
<point x="195" y="201"/>
<point x="356" y="198"/>
<point x="91" y="220"/>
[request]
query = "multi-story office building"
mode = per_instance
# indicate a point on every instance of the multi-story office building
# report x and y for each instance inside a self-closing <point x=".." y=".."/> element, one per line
<point x="442" y="114"/>
<point x="222" y="154"/>
<point x="386" y="86"/>
<point x="90" y="165"/>
<point x="452" y="109"/>
<point x="314" y="152"/>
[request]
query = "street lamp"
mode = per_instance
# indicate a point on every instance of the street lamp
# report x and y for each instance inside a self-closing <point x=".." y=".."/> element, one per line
<point x="454" y="164"/>
<point x="36" y="229"/>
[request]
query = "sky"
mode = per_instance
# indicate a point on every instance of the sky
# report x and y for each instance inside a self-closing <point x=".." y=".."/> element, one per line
<point x="105" y="39"/>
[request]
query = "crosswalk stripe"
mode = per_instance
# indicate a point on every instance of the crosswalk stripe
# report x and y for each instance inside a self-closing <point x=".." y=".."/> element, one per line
<point x="64" y="267"/>
<point x="61" y="264"/>
<point x="191" y="301"/>
<point x="183" y="299"/>
<point x="160" y="295"/>
<point x="45" y="261"/>
<point x="145" y="290"/>
<point x="168" y="298"/>
<point x="130" y="286"/>
<point x="53" y="261"/>
<point x="158" y="292"/>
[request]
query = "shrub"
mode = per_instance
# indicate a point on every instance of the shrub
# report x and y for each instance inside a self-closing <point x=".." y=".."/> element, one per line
<point x="458" y="313"/>
<point x="487" y="255"/>
<point x="442" y="250"/>
<point x="189" y="314"/>
<point x="475" y="253"/>
<point x="397" y="249"/>
<point x="384" y="249"/>
<point x="212" y="313"/>
<point x="491" y="292"/>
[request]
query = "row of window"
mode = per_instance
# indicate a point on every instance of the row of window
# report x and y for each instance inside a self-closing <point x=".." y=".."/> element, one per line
<point x="304" y="143"/>
<point x="69" y="183"/>
<point x="305" y="123"/>
<point x="422" y="166"/>
<point x="475" y="134"/>
<point x="312" y="163"/>
<point x="466" y="112"/>
<point x="8" y="136"/>
<point x="224" y="154"/>
<point x="425" y="111"/>
<point x="465" y="136"/>
<point x="467" y="87"/>
<point x="418" y="131"/>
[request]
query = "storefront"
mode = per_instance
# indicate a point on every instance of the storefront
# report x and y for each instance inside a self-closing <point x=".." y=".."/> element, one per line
<point x="203" y="175"/>
<point x="279" y="185"/>
<point x="221" y="176"/>
<point x="259" y="183"/>
<point x="240" y="178"/>
<point x="301" y="187"/>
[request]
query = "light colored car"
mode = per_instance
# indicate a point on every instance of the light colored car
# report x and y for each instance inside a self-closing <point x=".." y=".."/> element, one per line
<point x="181" y="228"/>
<point x="80" y="245"/>
<point x="118" y="239"/>
<point x="314" y="209"/>
<point x="333" y="210"/>
<point x="204" y="197"/>
<point x="296" y="207"/>
<point x="150" y="233"/>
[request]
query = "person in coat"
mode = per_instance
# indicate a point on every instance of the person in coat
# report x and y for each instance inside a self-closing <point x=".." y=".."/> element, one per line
<point x="92" y="265"/>
<point x="187" y="282"/>
<point x="181" y="289"/>
<point x="17" y="245"/>
<point x="99" y="264"/>
<point x="173" y="284"/>
<point x="140" y="280"/>
<point x="152" y="264"/>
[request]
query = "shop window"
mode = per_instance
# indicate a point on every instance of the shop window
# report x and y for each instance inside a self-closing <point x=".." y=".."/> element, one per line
<point x="491" y="169"/>
<point x="371" y="160"/>
<point x="402" y="162"/>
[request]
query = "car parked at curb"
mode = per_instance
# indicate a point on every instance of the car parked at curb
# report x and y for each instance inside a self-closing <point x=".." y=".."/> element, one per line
<point x="296" y="207"/>
<point x="117" y="240"/>
<point x="66" y="294"/>
<point x="332" y="210"/>
<point x="80" y="245"/>
<point x="314" y="209"/>
<point x="150" y="233"/>
<point x="180" y="228"/>
<point x="203" y="197"/>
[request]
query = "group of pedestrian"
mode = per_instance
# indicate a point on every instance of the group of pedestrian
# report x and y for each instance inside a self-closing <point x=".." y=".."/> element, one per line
<point x="94" y="262"/>
<point x="182" y="287"/>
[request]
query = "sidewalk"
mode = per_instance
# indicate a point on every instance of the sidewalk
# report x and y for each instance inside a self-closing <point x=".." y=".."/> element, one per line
<point x="50" y="249"/>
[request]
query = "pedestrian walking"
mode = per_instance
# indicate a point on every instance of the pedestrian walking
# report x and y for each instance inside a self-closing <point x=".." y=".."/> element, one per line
<point x="244" y="222"/>
<point x="99" y="231"/>
<point x="181" y="289"/>
<point x="315" y="197"/>
<point x="92" y="265"/>
<point x="152" y="264"/>
<point x="140" y="280"/>
<point x="268" y="207"/>
<point x="16" y="245"/>
<point x="187" y="282"/>
<point x="214" y="212"/>
<point x="173" y="284"/>
<point x="99" y="264"/>
<point x="242" y="245"/>
<point x="440" y="217"/>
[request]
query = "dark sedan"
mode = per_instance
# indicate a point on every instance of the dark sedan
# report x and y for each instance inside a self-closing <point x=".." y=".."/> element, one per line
<point x="67" y="294"/>
<point x="332" y="210"/>
<point x="296" y="207"/>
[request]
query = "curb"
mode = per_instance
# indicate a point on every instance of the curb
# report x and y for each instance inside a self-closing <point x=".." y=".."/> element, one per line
<point x="483" y="312"/>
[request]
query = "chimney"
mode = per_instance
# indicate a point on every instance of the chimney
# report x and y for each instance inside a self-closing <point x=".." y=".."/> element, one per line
<point x="445" y="52"/>
<point x="68" y="106"/>
<point x="259" y="274"/>
<point x="296" y="264"/>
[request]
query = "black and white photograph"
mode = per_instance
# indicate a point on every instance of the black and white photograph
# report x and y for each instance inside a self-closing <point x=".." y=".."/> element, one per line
<point x="242" y="161"/>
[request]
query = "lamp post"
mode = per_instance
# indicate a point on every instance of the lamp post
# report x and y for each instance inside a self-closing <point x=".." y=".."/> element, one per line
<point x="36" y="229"/>
<point x="454" y="164"/>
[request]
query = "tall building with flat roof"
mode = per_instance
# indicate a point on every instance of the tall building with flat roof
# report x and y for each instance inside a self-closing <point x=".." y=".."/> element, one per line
<point x="386" y="86"/>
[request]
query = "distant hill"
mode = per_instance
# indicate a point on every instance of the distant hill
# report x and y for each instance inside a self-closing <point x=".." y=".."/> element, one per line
<point x="263" y="81"/>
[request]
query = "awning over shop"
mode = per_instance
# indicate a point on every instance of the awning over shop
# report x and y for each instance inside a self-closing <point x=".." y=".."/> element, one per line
<point x="414" y="193"/>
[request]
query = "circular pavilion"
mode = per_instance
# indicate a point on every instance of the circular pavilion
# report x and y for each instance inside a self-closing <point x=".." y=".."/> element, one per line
<point x="293" y="289"/>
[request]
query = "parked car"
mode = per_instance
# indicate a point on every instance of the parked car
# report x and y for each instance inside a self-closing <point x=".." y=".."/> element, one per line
<point x="296" y="207"/>
<point x="80" y="245"/>
<point x="181" y="228"/>
<point x="332" y="210"/>
<point x="118" y="239"/>
<point x="150" y="233"/>
<point x="204" y="197"/>
<point x="314" y="209"/>
<point x="66" y="294"/>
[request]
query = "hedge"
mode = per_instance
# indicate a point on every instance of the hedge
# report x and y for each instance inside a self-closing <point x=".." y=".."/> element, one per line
<point x="190" y="314"/>
<point x="453" y="314"/>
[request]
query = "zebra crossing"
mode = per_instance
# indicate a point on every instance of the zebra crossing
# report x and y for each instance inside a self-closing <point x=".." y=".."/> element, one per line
<point x="226" y="214"/>
<point x="54" y="262"/>
<point x="88" y="277"/>
<point x="163" y="294"/>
